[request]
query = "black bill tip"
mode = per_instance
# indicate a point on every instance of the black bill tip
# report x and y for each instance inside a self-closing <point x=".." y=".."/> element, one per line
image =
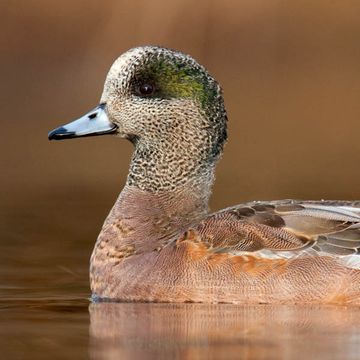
<point x="60" y="134"/>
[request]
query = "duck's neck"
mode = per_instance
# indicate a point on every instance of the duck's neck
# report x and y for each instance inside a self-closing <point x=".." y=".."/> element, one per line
<point x="171" y="167"/>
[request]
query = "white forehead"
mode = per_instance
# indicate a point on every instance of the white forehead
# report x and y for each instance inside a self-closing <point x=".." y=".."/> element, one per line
<point x="125" y="60"/>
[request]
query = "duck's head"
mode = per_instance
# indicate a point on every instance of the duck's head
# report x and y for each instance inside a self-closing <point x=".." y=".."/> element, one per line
<point x="161" y="100"/>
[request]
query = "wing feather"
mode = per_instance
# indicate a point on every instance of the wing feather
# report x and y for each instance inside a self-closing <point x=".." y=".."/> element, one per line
<point x="286" y="228"/>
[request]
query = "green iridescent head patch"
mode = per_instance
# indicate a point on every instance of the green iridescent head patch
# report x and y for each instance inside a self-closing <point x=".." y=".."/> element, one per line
<point x="177" y="79"/>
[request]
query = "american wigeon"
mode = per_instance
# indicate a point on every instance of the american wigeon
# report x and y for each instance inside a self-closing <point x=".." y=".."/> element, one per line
<point x="160" y="244"/>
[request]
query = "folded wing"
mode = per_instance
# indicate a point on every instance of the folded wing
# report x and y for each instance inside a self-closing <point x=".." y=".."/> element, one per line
<point x="286" y="228"/>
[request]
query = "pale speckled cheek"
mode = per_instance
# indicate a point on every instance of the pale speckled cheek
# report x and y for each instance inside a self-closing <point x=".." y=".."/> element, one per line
<point x="156" y="118"/>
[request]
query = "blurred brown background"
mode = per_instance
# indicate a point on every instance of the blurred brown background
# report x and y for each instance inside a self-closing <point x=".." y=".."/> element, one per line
<point x="291" y="75"/>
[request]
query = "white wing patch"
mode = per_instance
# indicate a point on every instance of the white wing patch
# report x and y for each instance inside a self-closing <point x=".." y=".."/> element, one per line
<point x="349" y="261"/>
<point x="340" y="213"/>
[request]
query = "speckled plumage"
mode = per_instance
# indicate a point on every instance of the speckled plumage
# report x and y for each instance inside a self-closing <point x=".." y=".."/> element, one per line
<point x="158" y="242"/>
<point x="180" y="131"/>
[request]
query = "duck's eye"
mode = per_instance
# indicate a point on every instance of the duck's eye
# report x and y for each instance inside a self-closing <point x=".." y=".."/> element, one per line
<point x="146" y="89"/>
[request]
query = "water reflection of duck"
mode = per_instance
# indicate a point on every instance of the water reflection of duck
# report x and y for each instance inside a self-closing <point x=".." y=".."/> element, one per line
<point x="158" y="242"/>
<point x="205" y="331"/>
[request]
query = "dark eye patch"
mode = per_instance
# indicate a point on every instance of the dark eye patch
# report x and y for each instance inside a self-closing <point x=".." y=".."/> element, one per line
<point x="166" y="79"/>
<point x="144" y="86"/>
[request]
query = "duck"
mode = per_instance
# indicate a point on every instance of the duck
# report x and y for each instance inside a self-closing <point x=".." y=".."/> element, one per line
<point x="160" y="243"/>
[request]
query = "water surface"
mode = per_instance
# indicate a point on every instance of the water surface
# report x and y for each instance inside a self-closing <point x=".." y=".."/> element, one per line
<point x="70" y="328"/>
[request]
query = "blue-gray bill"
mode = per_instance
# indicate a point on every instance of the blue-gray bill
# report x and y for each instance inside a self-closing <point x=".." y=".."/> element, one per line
<point x="95" y="122"/>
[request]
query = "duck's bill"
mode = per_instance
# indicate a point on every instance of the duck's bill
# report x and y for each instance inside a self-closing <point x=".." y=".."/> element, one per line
<point x="95" y="122"/>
